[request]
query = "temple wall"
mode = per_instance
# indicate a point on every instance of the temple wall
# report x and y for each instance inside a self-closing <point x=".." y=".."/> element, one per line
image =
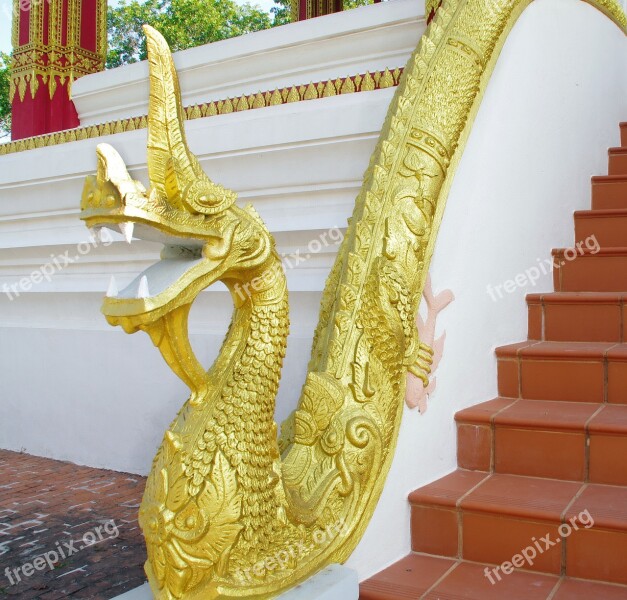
<point x="74" y="388"/>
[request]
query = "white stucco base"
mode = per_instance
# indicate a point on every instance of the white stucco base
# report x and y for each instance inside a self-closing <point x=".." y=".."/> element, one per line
<point x="333" y="583"/>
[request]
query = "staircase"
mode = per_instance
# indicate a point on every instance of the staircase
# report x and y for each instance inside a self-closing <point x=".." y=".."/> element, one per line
<point x="537" y="508"/>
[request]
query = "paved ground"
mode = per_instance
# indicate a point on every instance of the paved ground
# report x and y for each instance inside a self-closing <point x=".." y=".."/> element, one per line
<point x="67" y="531"/>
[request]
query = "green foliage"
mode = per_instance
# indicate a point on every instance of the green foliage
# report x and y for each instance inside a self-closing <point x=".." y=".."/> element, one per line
<point x="282" y="12"/>
<point x="5" y="104"/>
<point x="348" y="4"/>
<point x="183" y="23"/>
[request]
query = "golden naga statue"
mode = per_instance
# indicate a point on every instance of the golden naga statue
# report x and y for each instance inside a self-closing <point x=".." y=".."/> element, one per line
<point x="231" y="510"/>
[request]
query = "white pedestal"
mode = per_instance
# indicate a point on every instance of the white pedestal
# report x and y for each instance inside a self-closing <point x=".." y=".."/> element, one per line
<point x="333" y="583"/>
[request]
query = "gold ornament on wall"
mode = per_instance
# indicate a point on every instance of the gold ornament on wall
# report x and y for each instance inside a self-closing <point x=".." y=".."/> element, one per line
<point x="226" y="494"/>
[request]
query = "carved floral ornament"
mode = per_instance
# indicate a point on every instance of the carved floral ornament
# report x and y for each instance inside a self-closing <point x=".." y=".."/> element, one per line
<point x="225" y="492"/>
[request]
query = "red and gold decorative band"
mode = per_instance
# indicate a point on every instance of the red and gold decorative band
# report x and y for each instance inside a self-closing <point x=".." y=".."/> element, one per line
<point x="312" y="91"/>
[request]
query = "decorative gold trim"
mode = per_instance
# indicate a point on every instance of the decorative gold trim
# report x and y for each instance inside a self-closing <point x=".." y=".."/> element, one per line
<point x="343" y="85"/>
<point x="50" y="60"/>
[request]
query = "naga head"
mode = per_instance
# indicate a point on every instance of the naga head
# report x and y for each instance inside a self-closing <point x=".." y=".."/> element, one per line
<point x="206" y="237"/>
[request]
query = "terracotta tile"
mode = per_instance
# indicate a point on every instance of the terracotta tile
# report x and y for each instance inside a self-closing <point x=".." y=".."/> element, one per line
<point x="474" y="447"/>
<point x="608" y="459"/>
<point x="567" y="350"/>
<point x="573" y="381"/>
<point x="597" y="554"/>
<point x="606" y="504"/>
<point x="447" y="491"/>
<point x="468" y="581"/>
<point x="507" y="373"/>
<point x="576" y="589"/>
<point x="582" y="322"/>
<point x="617" y="161"/>
<point x="495" y="539"/>
<point x="513" y="350"/>
<point x="609" y="227"/>
<point x="609" y="192"/>
<point x="602" y="272"/>
<point x="534" y="320"/>
<point x="435" y="531"/>
<point x="624" y="321"/>
<point x="617" y="375"/>
<point x="555" y="415"/>
<point x="525" y="452"/>
<point x="623" y="135"/>
<point x="523" y="497"/>
<point x="482" y="414"/>
<point x="410" y="577"/>
<point x="608" y="446"/>
<point x="609" y="420"/>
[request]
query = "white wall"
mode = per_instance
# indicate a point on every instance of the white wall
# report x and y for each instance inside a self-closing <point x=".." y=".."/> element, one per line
<point x="73" y="388"/>
<point x="551" y="110"/>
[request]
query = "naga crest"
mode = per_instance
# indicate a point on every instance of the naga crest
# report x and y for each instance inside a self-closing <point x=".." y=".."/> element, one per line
<point x="232" y="509"/>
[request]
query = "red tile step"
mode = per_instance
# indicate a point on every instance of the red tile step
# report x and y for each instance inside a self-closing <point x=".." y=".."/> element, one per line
<point x="609" y="191"/>
<point x="586" y="442"/>
<point x="545" y="525"/>
<point x="623" y="135"/>
<point x="591" y="372"/>
<point x="601" y="270"/>
<point x="577" y="317"/>
<point x="606" y="228"/>
<point x="617" y="163"/>
<point x="423" y="577"/>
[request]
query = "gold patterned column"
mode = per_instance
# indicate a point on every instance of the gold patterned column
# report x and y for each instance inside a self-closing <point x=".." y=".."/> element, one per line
<point x="54" y="43"/>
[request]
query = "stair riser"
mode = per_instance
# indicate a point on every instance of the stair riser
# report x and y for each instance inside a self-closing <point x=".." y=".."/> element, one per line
<point x="521" y="451"/>
<point x="623" y="135"/>
<point x="569" y="322"/>
<point x="576" y="380"/>
<point x="597" y="554"/>
<point x="496" y="539"/>
<point x="610" y="231"/>
<point x="617" y="164"/>
<point x="609" y="195"/>
<point x="591" y="273"/>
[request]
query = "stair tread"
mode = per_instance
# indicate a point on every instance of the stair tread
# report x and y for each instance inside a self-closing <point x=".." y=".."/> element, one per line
<point x="586" y="253"/>
<point x="562" y="350"/>
<point x="611" y="420"/>
<point x="532" y="498"/>
<point x="577" y="297"/>
<point x="448" y="490"/>
<point x="607" y="505"/>
<point x="556" y="415"/>
<point x="617" y="150"/>
<point x="602" y="212"/>
<point x="609" y="179"/>
<point x="528" y="498"/>
<point x="483" y="413"/>
<point x="448" y="579"/>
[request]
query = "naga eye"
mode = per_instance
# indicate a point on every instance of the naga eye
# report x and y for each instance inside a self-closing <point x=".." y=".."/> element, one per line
<point x="202" y="199"/>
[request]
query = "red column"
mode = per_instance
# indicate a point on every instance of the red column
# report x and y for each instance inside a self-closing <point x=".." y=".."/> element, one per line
<point x="54" y="43"/>
<point x="308" y="9"/>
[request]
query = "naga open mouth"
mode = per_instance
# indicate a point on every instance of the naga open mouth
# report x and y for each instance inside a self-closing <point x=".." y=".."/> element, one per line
<point x="193" y="249"/>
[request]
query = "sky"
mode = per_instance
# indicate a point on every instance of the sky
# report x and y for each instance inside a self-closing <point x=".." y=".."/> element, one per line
<point x="5" y="18"/>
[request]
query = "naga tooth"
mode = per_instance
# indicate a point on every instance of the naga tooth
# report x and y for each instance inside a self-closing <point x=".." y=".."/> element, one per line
<point x="142" y="290"/>
<point x="112" y="292"/>
<point x="127" y="230"/>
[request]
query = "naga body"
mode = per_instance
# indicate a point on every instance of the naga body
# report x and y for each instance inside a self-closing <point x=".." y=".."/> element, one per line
<point x="232" y="509"/>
